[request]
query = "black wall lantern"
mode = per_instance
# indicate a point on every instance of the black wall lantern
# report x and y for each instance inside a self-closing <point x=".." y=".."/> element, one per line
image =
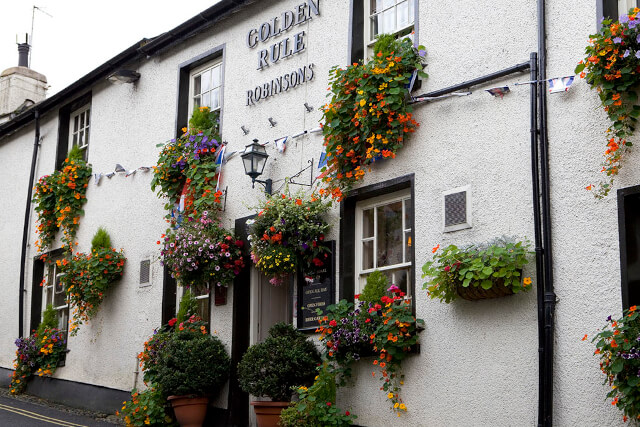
<point x="254" y="158"/>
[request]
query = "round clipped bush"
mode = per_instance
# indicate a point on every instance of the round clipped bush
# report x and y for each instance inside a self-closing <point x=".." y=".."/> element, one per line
<point x="192" y="364"/>
<point x="284" y="360"/>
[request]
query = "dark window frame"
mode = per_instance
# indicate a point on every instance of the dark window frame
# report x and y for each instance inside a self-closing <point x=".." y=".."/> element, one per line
<point x="64" y="121"/>
<point x="184" y="69"/>
<point x="346" y="284"/>
<point x="357" y="44"/>
<point x="624" y="202"/>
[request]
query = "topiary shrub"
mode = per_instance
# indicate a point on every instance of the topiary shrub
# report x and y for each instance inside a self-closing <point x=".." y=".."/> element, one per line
<point x="101" y="239"/>
<point x="192" y="363"/>
<point x="284" y="360"/>
<point x="375" y="289"/>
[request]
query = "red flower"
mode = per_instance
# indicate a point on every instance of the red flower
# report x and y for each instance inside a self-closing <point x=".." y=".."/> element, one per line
<point x="172" y="322"/>
<point x="347" y="413"/>
<point x="328" y="403"/>
<point x="333" y="323"/>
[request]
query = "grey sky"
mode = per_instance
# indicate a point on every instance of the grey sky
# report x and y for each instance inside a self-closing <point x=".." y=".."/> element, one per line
<point x="83" y="34"/>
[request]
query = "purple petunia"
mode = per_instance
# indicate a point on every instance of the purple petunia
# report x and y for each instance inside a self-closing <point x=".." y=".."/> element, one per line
<point x="617" y="40"/>
<point x="624" y="19"/>
<point x="638" y="54"/>
<point x="626" y="53"/>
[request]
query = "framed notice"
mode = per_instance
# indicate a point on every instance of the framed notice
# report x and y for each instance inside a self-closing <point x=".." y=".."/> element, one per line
<point x="316" y="290"/>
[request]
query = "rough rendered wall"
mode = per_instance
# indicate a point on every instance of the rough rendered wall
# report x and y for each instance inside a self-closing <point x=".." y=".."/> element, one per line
<point x="479" y="360"/>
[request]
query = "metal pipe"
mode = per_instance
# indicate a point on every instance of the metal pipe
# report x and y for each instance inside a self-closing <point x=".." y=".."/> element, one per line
<point x="25" y="231"/>
<point x="549" y="295"/>
<point x="535" y="182"/>
<point x="478" y="81"/>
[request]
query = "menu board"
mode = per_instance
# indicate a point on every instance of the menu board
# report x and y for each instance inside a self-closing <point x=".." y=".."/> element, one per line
<point x="316" y="289"/>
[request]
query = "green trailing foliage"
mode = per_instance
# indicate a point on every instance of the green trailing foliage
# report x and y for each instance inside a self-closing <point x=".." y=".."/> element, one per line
<point x="49" y="320"/>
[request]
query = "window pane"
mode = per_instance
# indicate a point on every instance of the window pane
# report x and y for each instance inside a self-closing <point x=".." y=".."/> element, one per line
<point x="367" y="255"/>
<point x="216" y="76"/>
<point x="199" y="290"/>
<point x="389" y="234"/>
<point x="59" y="299"/>
<point x="407" y="249"/>
<point x="75" y="124"/>
<point x="388" y="21"/>
<point x="75" y="139"/>
<point x="196" y="102"/>
<point x="403" y="14"/>
<point x="408" y="213"/>
<point x="388" y="3"/>
<point x="63" y="319"/>
<point x="49" y="299"/>
<point x="206" y="99"/>
<point x="376" y="5"/>
<point x="196" y="85"/>
<point x="81" y="120"/>
<point x="206" y="80"/>
<point x="399" y="278"/>
<point x="411" y="12"/>
<point x="215" y="98"/>
<point x="88" y="115"/>
<point x="86" y="136"/>
<point x="374" y="26"/>
<point x="367" y="223"/>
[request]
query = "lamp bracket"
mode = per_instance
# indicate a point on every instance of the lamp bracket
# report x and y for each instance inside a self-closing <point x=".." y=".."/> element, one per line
<point x="311" y="180"/>
<point x="267" y="184"/>
<point x="244" y="130"/>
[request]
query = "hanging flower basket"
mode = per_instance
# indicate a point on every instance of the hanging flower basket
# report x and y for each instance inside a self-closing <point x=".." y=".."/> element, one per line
<point x="478" y="272"/>
<point x="475" y="293"/>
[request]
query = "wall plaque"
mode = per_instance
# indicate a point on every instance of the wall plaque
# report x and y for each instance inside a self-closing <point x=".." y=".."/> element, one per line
<point x="316" y="289"/>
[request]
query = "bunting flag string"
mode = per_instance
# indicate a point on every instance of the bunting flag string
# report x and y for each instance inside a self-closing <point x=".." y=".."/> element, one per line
<point x="97" y="177"/>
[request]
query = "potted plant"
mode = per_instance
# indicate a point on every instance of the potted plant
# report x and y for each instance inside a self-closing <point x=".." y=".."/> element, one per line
<point x="288" y="233"/>
<point x="271" y="368"/>
<point x="618" y="347"/>
<point x="477" y="272"/>
<point x="191" y="366"/>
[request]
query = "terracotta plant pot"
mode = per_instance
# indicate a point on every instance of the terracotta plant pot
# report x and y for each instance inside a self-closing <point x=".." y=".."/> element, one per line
<point x="268" y="413"/>
<point x="190" y="411"/>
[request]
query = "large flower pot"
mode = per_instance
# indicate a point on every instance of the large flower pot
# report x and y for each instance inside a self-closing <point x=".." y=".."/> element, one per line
<point x="190" y="411"/>
<point x="268" y="413"/>
<point x="475" y="293"/>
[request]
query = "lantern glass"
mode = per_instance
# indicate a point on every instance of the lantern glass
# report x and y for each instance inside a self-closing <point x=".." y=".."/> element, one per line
<point x="254" y="159"/>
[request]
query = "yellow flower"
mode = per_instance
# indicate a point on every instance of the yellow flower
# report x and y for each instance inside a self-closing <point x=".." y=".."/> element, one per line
<point x="526" y="281"/>
<point x="403" y="406"/>
<point x="362" y="102"/>
<point x="396" y="405"/>
<point x="390" y="395"/>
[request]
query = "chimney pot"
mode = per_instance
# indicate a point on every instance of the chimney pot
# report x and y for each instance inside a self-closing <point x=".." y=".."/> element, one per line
<point x="23" y="54"/>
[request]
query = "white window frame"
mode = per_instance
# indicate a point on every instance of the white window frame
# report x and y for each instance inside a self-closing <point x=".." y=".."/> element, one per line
<point x="198" y="71"/>
<point x="62" y="311"/>
<point x="204" y="296"/>
<point x="624" y="6"/>
<point x="375" y="202"/>
<point x="369" y="39"/>
<point x="85" y="130"/>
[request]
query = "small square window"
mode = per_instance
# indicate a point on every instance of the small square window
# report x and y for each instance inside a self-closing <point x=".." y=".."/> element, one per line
<point x="387" y="17"/>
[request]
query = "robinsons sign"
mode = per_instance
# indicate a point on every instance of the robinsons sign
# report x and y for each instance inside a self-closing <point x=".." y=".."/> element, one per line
<point x="285" y="48"/>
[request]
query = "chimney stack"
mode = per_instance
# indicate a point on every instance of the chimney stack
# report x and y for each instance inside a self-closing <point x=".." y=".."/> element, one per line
<point x="20" y="87"/>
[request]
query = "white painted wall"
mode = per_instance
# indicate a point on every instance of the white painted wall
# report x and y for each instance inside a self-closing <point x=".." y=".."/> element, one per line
<point x="478" y="364"/>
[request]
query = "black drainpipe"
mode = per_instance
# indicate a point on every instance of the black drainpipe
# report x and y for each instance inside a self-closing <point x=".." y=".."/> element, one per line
<point x="549" y="297"/>
<point x="25" y="231"/>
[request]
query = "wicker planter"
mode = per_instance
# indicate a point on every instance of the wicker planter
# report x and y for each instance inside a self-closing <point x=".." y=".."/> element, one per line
<point x="475" y="293"/>
<point x="190" y="411"/>
<point x="268" y="413"/>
